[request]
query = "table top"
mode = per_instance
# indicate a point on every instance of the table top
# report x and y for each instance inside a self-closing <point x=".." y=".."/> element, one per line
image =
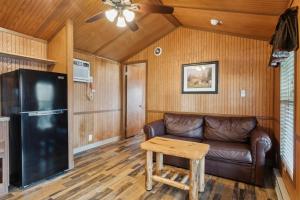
<point x="180" y="148"/>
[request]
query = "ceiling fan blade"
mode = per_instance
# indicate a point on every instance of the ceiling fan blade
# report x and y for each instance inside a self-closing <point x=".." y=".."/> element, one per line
<point x="149" y="8"/>
<point x="95" y="17"/>
<point x="132" y="25"/>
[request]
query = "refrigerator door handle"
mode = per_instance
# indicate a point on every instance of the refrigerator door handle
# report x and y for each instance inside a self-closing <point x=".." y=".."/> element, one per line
<point x="45" y="113"/>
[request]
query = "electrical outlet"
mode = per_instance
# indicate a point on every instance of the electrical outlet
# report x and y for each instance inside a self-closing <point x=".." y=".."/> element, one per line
<point x="90" y="137"/>
<point x="243" y="93"/>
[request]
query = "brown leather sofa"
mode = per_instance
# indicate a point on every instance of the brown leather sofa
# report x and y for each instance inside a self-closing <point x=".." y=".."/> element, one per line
<point x="238" y="146"/>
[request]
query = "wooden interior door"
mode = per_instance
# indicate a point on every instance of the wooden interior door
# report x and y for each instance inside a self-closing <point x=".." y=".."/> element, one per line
<point x="135" y="98"/>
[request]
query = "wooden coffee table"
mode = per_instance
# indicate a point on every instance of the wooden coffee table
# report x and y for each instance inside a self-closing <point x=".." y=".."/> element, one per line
<point x="193" y="151"/>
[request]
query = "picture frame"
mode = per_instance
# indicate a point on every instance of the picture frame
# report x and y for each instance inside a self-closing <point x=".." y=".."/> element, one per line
<point x="200" y="78"/>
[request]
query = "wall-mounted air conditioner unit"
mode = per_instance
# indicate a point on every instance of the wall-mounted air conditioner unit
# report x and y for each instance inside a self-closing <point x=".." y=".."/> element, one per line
<point x="81" y="71"/>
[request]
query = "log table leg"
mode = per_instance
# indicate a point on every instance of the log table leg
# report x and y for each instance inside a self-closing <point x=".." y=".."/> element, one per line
<point x="159" y="163"/>
<point x="202" y="175"/>
<point x="149" y="166"/>
<point x="194" y="179"/>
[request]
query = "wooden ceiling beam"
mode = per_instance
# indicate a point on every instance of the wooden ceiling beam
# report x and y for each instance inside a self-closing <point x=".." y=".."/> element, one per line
<point x="265" y="7"/>
<point x="173" y="20"/>
<point x="225" y="10"/>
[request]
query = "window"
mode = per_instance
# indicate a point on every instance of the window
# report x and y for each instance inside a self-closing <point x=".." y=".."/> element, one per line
<point x="287" y="113"/>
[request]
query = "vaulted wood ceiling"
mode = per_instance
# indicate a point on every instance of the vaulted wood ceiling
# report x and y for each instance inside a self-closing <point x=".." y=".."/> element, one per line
<point x="249" y="18"/>
<point x="43" y="18"/>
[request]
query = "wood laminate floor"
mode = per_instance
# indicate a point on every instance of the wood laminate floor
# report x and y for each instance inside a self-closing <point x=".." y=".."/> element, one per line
<point x="116" y="171"/>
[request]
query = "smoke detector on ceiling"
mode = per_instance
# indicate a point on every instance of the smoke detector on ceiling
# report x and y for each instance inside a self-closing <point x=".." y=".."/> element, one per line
<point x="215" y="22"/>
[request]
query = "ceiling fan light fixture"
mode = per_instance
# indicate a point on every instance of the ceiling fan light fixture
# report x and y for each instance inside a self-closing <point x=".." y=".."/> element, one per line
<point x="111" y="14"/>
<point x="121" y="22"/>
<point x="129" y="15"/>
<point x="122" y="12"/>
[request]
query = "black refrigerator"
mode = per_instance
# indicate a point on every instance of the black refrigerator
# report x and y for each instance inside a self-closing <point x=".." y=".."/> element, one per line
<point x="36" y="103"/>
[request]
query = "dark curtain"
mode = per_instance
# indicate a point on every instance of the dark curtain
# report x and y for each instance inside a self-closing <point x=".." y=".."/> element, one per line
<point x="285" y="38"/>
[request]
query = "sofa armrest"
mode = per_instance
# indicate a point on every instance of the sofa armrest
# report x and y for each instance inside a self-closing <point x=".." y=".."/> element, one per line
<point x="155" y="128"/>
<point x="260" y="144"/>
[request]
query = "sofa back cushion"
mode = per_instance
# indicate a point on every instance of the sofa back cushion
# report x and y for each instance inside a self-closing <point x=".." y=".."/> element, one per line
<point x="184" y="125"/>
<point x="229" y="129"/>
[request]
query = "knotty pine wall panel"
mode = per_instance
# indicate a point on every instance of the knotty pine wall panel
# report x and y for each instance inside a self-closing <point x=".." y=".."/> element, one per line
<point x="243" y="64"/>
<point x="101" y="116"/>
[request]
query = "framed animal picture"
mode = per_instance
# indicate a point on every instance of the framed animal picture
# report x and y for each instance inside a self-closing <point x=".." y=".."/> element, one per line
<point x="200" y="78"/>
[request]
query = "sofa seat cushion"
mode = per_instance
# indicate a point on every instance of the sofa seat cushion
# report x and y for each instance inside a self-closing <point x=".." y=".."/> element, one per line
<point x="182" y="138"/>
<point x="229" y="129"/>
<point x="184" y="125"/>
<point x="225" y="151"/>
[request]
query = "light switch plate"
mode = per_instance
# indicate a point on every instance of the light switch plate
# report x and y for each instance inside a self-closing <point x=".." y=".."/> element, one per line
<point x="90" y="137"/>
<point x="243" y="93"/>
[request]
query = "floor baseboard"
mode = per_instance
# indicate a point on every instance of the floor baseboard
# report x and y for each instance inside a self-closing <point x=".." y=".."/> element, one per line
<point x="96" y="144"/>
<point x="280" y="188"/>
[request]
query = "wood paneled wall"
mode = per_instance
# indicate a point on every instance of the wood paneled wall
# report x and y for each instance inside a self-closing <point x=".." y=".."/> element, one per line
<point x="100" y="117"/>
<point x="60" y="49"/>
<point x="13" y="42"/>
<point x="242" y="65"/>
<point x="57" y="49"/>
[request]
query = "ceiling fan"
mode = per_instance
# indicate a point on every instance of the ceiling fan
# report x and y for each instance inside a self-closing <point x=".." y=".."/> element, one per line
<point x="122" y="12"/>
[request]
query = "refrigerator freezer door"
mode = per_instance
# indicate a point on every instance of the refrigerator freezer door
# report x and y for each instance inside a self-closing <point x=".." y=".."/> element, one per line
<point x="42" y="91"/>
<point x="44" y="144"/>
